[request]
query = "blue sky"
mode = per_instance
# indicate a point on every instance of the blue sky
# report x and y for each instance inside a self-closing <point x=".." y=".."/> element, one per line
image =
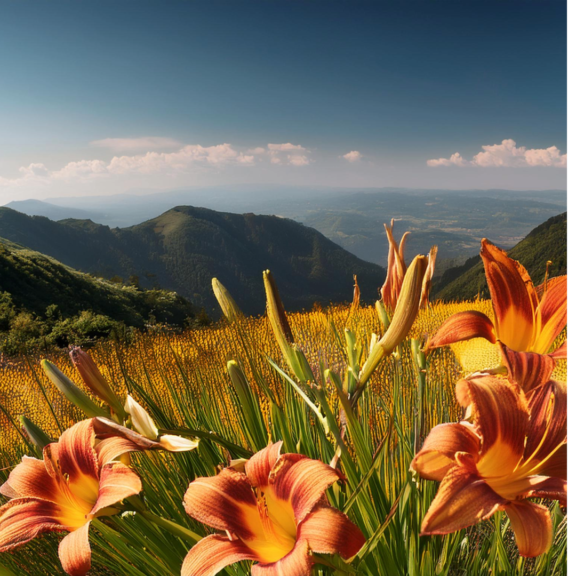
<point x="104" y="97"/>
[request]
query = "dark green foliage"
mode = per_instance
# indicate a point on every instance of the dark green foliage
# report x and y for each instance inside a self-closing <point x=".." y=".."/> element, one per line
<point x="46" y="303"/>
<point x="184" y="248"/>
<point x="546" y="242"/>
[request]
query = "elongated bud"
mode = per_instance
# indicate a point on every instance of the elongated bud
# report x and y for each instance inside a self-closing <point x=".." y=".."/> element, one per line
<point x="141" y="420"/>
<point x="229" y="307"/>
<point x="93" y="378"/>
<point x="174" y="443"/>
<point x="382" y="314"/>
<point x="406" y="312"/>
<point x="427" y="282"/>
<point x="37" y="436"/>
<point x="72" y="392"/>
<point x="280" y="326"/>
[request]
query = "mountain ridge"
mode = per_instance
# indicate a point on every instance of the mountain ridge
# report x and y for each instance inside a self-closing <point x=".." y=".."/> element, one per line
<point x="183" y="248"/>
<point x="548" y="241"/>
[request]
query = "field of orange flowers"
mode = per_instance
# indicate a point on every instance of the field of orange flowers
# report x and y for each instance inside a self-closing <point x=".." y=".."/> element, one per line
<point x="402" y="438"/>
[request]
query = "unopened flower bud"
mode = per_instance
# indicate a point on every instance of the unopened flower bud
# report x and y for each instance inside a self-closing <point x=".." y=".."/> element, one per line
<point x="174" y="443"/>
<point x="94" y="380"/>
<point x="141" y="420"/>
<point x="229" y="307"/>
<point x="404" y="316"/>
<point x="72" y="392"/>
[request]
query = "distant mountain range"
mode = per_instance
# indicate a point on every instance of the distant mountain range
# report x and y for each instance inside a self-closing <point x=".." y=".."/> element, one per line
<point x="182" y="249"/>
<point x="547" y="242"/>
<point x="456" y="220"/>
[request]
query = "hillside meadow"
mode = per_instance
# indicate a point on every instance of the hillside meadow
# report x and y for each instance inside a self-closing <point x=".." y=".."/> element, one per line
<point x="183" y="382"/>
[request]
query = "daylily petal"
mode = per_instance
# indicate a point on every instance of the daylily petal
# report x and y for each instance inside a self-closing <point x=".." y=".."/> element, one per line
<point x="549" y="488"/>
<point x="224" y="502"/>
<point x="298" y="562"/>
<point x="556" y="465"/>
<point x="552" y="314"/>
<point x="214" y="553"/>
<point x="116" y="440"/>
<point x="258" y="468"/>
<point x="396" y="268"/>
<point x="74" y="552"/>
<point x="548" y="408"/>
<point x="513" y="297"/>
<point x="23" y="519"/>
<point x="30" y="479"/>
<point x="75" y="452"/>
<point x="500" y="415"/>
<point x="110" y="448"/>
<point x="301" y="481"/>
<point x="437" y="454"/>
<point x="527" y="369"/>
<point x="117" y="482"/>
<point x="328" y="531"/>
<point x="532" y="527"/>
<point x="427" y="282"/>
<point x="561" y="353"/>
<point x="463" y="499"/>
<point x="462" y="326"/>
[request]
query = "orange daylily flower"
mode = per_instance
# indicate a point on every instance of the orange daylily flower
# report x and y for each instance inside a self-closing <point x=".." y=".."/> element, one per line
<point x="514" y="450"/>
<point x="396" y="271"/>
<point x="274" y="513"/>
<point x="74" y="483"/>
<point x="527" y="319"/>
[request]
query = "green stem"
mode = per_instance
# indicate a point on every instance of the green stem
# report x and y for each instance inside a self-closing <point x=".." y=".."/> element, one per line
<point x="172" y="527"/>
<point x="346" y="569"/>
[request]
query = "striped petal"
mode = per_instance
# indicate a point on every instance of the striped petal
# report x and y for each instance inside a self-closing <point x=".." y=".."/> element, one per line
<point x="328" y="531"/>
<point x="117" y="482"/>
<point x="214" y="553"/>
<point x="463" y="499"/>
<point x="427" y="282"/>
<point x="463" y="326"/>
<point x="224" y="502"/>
<point x="30" y="479"/>
<point x="548" y="428"/>
<point x="532" y="527"/>
<point x="74" y="552"/>
<point x="111" y="448"/>
<point x="258" y="468"/>
<point x="437" y="455"/>
<point x="74" y="452"/>
<point x="298" y="562"/>
<point x="549" y="488"/>
<point x="513" y="297"/>
<point x="552" y="314"/>
<point x="561" y="353"/>
<point x="302" y="482"/>
<point x="527" y="369"/>
<point x="500" y="416"/>
<point x="22" y="519"/>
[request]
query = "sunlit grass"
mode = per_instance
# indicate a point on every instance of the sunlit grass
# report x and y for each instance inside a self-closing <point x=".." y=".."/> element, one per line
<point x="183" y="381"/>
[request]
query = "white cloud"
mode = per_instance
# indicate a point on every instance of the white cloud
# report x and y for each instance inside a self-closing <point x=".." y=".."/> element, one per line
<point x="352" y="156"/>
<point x="287" y="153"/>
<point x="506" y="155"/>
<point x="287" y="147"/>
<point x="298" y="160"/>
<point x="80" y="170"/>
<point x="143" y="143"/>
<point x="153" y="162"/>
<point x="33" y="170"/>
